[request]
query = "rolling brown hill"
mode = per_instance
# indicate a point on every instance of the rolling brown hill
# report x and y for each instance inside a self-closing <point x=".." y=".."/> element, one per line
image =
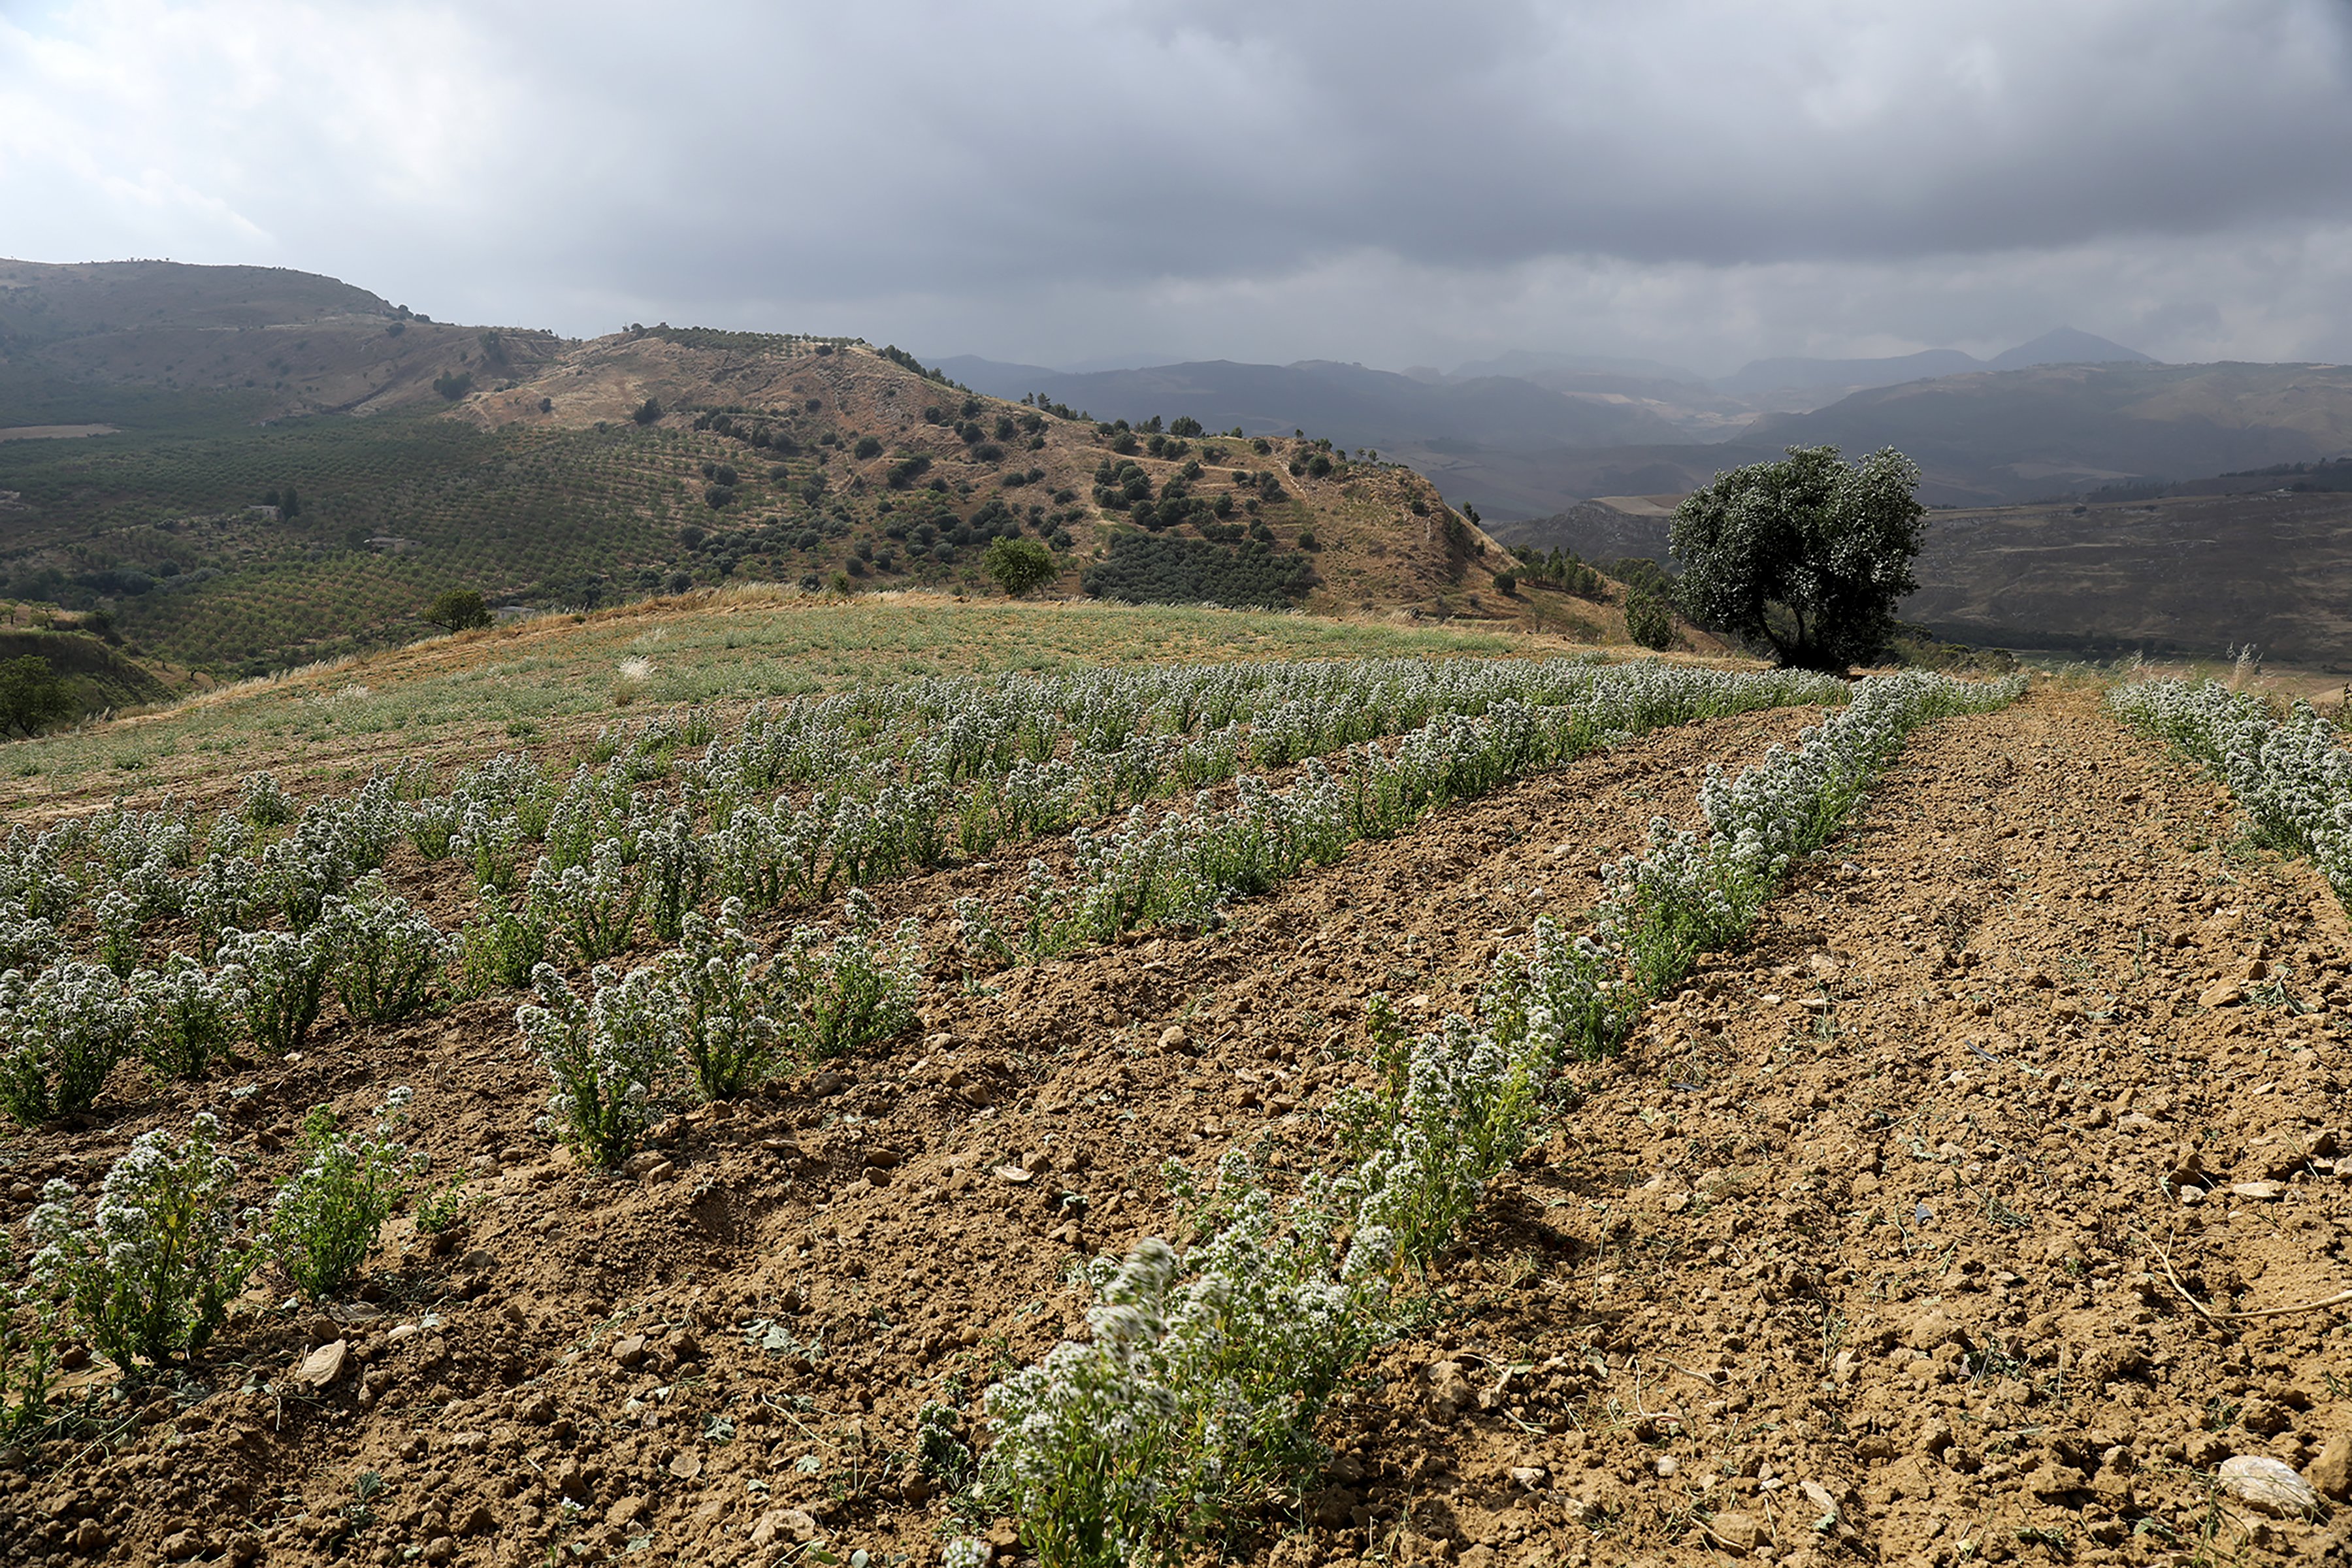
<point x="515" y="463"/>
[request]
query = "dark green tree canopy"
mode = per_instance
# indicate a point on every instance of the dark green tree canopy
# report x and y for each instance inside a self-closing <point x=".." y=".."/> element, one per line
<point x="460" y="609"/>
<point x="33" y="696"/>
<point x="1017" y="566"/>
<point x="1809" y="555"/>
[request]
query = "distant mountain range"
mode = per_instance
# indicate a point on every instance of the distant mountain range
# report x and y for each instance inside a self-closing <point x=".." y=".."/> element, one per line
<point x="1526" y="435"/>
<point x="1763" y="377"/>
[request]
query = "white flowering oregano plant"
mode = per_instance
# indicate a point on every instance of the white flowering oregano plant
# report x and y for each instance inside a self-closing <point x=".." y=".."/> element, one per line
<point x="855" y="987"/>
<point x="149" y="1275"/>
<point x="60" y="1037"/>
<point x="609" y="1055"/>
<point x="386" y="956"/>
<point x="507" y="940"/>
<point x="728" y="1035"/>
<point x="280" y="981"/>
<point x="1192" y="1404"/>
<point x="593" y="906"/>
<point x="187" y="1017"/>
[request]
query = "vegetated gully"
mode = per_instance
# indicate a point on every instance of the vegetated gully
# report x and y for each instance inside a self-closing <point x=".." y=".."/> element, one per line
<point x="1853" y="1251"/>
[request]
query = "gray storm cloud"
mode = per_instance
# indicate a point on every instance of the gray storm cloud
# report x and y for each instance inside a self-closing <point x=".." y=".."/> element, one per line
<point x="1374" y="180"/>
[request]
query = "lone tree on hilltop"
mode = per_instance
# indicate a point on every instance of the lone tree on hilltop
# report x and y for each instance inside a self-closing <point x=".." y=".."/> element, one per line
<point x="1017" y="566"/>
<point x="458" y="610"/>
<point x="33" y="696"/>
<point x="1809" y="555"/>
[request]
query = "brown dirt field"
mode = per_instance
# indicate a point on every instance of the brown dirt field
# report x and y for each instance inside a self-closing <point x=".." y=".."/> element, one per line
<point x="1872" y="1222"/>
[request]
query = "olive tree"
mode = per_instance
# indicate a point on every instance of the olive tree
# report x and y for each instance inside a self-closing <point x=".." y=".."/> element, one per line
<point x="1809" y="555"/>
<point x="33" y="696"/>
<point x="1017" y="566"/>
<point x="458" y="609"/>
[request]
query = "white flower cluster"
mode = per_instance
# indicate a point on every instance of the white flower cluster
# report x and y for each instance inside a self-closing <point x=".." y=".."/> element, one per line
<point x="608" y="1053"/>
<point x="2292" y="776"/>
<point x="594" y="904"/>
<point x="60" y="1035"/>
<point x="384" y="955"/>
<point x="1196" y="1391"/>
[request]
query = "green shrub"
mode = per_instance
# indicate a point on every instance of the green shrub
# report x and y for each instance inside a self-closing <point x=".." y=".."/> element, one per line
<point x="677" y="873"/>
<point x="152" y="1272"/>
<point x="263" y="802"/>
<point x="328" y="1215"/>
<point x="28" y="1351"/>
<point x="1017" y="566"/>
<point x="1649" y="621"/>
<point x="458" y="609"/>
<point x="33" y="696"/>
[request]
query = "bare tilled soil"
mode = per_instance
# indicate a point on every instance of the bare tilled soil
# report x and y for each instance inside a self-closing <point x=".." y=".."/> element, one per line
<point x="1908" y="1234"/>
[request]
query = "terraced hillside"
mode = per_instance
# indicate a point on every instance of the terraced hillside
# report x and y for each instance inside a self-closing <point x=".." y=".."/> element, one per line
<point x="1969" y="1190"/>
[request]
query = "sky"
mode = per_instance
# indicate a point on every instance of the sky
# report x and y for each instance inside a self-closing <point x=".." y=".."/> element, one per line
<point x="1074" y="182"/>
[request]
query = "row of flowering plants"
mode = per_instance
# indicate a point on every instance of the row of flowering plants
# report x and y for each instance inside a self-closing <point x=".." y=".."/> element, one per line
<point x="2290" y="774"/>
<point x="1190" y="1408"/>
<point x="144" y="1279"/>
<point x="1180" y="866"/>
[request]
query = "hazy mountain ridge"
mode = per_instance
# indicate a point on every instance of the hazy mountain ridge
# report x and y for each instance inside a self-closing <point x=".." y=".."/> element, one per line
<point x="2019" y="436"/>
<point x="1350" y="405"/>
<point x="2062" y="346"/>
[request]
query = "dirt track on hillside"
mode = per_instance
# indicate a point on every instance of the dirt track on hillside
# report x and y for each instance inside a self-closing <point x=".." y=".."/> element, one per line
<point x="1859" y="1253"/>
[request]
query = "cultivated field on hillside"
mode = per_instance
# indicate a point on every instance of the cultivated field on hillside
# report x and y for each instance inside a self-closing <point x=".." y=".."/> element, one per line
<point x="1619" y="1112"/>
<point x="547" y="684"/>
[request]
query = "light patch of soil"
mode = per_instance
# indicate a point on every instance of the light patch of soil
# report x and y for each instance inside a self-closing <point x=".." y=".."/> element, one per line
<point x="55" y="432"/>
